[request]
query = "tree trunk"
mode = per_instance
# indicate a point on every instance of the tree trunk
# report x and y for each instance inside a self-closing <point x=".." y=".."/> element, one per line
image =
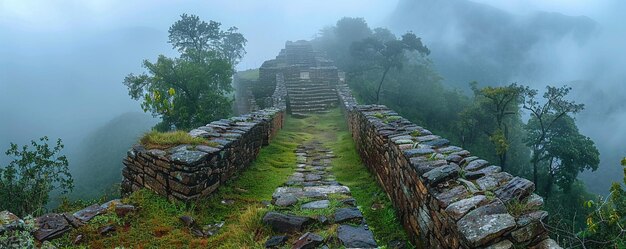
<point x="381" y="84"/>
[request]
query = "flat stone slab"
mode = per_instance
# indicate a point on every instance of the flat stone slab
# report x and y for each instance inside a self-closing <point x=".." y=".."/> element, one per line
<point x="51" y="226"/>
<point x="458" y="209"/>
<point x="316" y="205"/>
<point x="516" y="189"/>
<point x="328" y="189"/>
<point x="308" y="241"/>
<point x="88" y="213"/>
<point x="312" y="177"/>
<point x="441" y="174"/>
<point x="347" y="214"/>
<point x="480" y="229"/>
<point x="285" y="223"/>
<point x="276" y="241"/>
<point x="356" y="237"/>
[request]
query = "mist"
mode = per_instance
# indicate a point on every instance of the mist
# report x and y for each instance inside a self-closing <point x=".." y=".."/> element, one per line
<point x="62" y="63"/>
<point x="536" y="43"/>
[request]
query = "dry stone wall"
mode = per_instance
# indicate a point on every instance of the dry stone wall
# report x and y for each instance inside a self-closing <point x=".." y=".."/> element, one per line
<point x="445" y="197"/>
<point x="186" y="172"/>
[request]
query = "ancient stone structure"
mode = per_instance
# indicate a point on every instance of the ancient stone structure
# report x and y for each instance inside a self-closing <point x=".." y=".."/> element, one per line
<point x="445" y="197"/>
<point x="186" y="172"/>
<point x="189" y="172"/>
<point x="309" y="78"/>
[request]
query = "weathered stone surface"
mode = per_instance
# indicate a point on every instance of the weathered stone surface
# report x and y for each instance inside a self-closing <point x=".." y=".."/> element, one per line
<point x="51" y="226"/>
<point x="349" y="202"/>
<point x="458" y="209"/>
<point x="188" y="157"/>
<point x="437" y="142"/>
<point x="88" y="213"/>
<point x="546" y="244"/>
<point x="328" y="189"/>
<point x="442" y="173"/>
<point x="316" y="205"/>
<point x="276" y="241"/>
<point x="516" y="189"/>
<point x="72" y="220"/>
<point x="207" y="149"/>
<point x="505" y="244"/>
<point x="198" y="133"/>
<point x="418" y="152"/>
<point x="449" y="149"/>
<point x="449" y="196"/>
<point x="347" y="214"/>
<point x="356" y="237"/>
<point x="308" y="241"/>
<point x="480" y="229"/>
<point x="286" y="200"/>
<point x="476" y="165"/>
<point x="285" y="223"/>
<point x="312" y="177"/>
<point x="492" y="181"/>
<point x="534" y="201"/>
<point x="471" y="187"/>
<point x="473" y="175"/>
<point x="106" y="230"/>
<point x="124" y="209"/>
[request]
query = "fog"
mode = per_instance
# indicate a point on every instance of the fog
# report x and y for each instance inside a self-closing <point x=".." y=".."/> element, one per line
<point x="62" y="63"/>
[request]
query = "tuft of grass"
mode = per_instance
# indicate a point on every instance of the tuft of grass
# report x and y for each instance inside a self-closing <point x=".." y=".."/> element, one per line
<point x="163" y="140"/>
<point x="518" y="208"/>
<point x="416" y="133"/>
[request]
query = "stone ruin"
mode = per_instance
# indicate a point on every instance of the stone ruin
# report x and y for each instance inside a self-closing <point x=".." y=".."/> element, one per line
<point x="445" y="197"/>
<point x="309" y="78"/>
<point x="187" y="172"/>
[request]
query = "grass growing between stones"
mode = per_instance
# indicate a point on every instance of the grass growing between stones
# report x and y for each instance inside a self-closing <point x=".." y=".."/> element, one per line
<point x="162" y="140"/>
<point x="371" y="198"/>
<point x="157" y="224"/>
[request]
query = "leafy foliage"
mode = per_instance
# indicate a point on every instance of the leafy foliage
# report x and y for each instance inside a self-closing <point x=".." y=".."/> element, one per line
<point x="20" y="236"/>
<point x="383" y="50"/>
<point x="26" y="182"/>
<point x="190" y="90"/>
<point x="606" y="226"/>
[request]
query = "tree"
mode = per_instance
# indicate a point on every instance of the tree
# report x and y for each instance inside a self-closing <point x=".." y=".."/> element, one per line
<point x="190" y="33"/>
<point x="387" y="54"/>
<point x="497" y="106"/>
<point x="567" y="152"/>
<point x="193" y="89"/>
<point x="26" y="182"/>
<point x="546" y="115"/>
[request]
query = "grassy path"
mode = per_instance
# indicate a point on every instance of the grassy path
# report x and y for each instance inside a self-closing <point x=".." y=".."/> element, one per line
<point x="240" y="203"/>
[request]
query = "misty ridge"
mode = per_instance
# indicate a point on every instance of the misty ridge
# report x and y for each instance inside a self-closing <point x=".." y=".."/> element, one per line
<point x="69" y="82"/>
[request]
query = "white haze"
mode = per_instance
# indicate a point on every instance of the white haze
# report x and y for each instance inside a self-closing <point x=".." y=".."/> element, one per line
<point x="62" y="62"/>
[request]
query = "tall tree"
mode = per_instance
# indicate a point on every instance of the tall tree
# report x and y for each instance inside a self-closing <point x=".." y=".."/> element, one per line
<point x="567" y="152"/>
<point x="499" y="106"/>
<point x="26" y="182"/>
<point x="387" y="54"/>
<point x="546" y="115"/>
<point x="193" y="89"/>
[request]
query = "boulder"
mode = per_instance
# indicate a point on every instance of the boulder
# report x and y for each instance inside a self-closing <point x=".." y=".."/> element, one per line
<point x="356" y="237"/>
<point x="546" y="244"/>
<point x="480" y="229"/>
<point x="285" y="223"/>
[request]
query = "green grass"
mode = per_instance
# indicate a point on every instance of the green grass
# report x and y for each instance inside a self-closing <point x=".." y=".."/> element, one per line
<point x="163" y="140"/>
<point x="157" y="224"/>
<point x="350" y="171"/>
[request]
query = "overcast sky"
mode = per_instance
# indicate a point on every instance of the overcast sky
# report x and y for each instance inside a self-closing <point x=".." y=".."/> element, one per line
<point x="62" y="62"/>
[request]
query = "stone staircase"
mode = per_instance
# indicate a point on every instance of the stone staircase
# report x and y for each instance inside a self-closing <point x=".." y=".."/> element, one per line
<point x="306" y="96"/>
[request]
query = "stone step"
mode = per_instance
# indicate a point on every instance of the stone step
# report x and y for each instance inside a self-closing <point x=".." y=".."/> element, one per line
<point x="313" y="97"/>
<point x="308" y="109"/>
<point x="310" y="91"/>
<point x="312" y="105"/>
<point x="312" y="102"/>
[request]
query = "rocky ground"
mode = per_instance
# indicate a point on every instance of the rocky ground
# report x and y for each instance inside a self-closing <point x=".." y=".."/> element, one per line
<point x="314" y="204"/>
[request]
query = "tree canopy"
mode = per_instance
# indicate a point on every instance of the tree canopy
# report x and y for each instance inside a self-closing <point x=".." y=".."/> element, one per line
<point x="193" y="89"/>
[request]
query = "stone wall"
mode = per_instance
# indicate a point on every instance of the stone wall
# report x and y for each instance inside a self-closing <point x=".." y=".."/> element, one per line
<point x="187" y="172"/>
<point x="445" y="197"/>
